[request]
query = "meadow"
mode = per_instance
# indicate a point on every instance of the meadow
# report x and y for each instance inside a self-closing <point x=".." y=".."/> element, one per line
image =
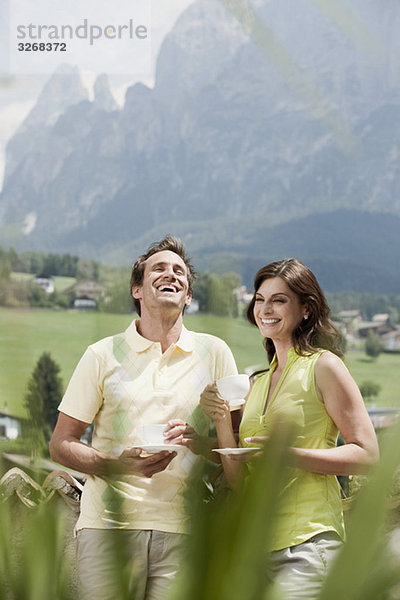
<point x="26" y="334"/>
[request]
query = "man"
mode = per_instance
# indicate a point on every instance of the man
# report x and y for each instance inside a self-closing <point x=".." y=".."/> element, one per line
<point x="154" y="372"/>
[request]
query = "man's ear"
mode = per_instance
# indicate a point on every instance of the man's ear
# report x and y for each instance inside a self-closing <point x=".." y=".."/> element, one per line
<point x="137" y="292"/>
<point x="188" y="299"/>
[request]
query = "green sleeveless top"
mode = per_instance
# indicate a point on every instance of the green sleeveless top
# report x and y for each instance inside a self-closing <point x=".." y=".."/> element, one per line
<point x="310" y="502"/>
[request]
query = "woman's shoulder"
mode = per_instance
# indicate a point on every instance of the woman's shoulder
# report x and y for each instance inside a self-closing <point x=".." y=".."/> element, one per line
<point x="327" y="363"/>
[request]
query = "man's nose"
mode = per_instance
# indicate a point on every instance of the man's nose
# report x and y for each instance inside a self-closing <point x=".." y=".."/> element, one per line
<point x="169" y="272"/>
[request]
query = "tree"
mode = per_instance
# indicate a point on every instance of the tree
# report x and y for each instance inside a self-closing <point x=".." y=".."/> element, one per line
<point x="118" y="299"/>
<point x="215" y="293"/>
<point x="5" y="270"/>
<point x="373" y="345"/>
<point x="5" y="267"/>
<point x="44" y="393"/>
<point x="369" y="389"/>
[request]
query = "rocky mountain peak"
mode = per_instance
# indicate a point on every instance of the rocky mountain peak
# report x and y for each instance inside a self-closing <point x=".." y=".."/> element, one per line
<point x="62" y="90"/>
<point x="103" y="96"/>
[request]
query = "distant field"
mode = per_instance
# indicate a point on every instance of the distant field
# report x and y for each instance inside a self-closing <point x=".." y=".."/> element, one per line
<point x="60" y="283"/>
<point x="25" y="334"/>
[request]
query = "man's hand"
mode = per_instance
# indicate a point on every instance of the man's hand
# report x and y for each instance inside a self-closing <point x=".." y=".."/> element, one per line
<point x="131" y="463"/>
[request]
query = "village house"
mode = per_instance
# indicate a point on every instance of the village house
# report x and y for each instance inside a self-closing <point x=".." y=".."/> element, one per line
<point x="86" y="294"/>
<point x="45" y="282"/>
<point x="87" y="288"/>
<point x="10" y="426"/>
<point x="391" y="340"/>
<point x="381" y="324"/>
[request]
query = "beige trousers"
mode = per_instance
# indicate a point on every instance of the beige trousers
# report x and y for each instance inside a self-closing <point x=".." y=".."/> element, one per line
<point x="127" y="564"/>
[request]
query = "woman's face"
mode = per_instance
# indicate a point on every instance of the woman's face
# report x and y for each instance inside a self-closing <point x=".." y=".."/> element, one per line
<point x="277" y="310"/>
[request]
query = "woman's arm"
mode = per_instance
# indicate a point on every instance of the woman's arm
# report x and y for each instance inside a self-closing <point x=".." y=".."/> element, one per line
<point x="344" y="404"/>
<point x="218" y="410"/>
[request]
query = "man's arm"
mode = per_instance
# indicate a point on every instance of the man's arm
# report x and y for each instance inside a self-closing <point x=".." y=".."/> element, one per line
<point x="67" y="449"/>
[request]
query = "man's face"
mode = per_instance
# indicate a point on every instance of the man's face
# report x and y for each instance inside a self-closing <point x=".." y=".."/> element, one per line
<point x="165" y="283"/>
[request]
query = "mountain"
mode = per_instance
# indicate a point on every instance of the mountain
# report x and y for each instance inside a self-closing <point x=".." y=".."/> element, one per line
<point x="281" y="124"/>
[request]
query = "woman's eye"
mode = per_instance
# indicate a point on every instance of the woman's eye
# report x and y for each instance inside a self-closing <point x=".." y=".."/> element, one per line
<point x="281" y="300"/>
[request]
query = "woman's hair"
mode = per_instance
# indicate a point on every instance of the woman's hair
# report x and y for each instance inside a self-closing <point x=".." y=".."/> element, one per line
<point x="313" y="333"/>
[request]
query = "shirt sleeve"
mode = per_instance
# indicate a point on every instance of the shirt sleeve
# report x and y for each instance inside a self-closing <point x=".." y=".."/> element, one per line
<point x="84" y="395"/>
<point x="225" y="364"/>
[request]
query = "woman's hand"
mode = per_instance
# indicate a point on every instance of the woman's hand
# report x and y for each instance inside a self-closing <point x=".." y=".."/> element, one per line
<point x="179" y="432"/>
<point x="215" y="407"/>
<point x="257" y="439"/>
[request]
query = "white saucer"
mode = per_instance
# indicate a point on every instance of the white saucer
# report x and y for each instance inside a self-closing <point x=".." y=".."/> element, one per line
<point x="236" y="403"/>
<point x="227" y="451"/>
<point x="154" y="448"/>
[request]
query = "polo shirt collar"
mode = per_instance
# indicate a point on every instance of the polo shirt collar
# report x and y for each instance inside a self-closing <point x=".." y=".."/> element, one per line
<point x="140" y="343"/>
<point x="185" y="342"/>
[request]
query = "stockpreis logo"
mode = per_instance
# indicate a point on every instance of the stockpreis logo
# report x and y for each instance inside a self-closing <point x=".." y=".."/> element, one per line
<point x="92" y="34"/>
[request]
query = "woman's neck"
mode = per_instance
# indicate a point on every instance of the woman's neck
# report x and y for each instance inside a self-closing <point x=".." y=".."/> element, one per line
<point x="282" y="351"/>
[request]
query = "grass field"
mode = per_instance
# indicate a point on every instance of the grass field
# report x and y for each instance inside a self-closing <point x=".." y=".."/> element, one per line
<point x="25" y="334"/>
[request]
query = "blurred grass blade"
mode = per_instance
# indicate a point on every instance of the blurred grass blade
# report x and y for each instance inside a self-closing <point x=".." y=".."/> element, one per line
<point x="350" y="575"/>
<point x="227" y="551"/>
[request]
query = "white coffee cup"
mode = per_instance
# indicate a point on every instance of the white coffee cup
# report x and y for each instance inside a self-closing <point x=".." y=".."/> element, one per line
<point x="234" y="388"/>
<point x="153" y="434"/>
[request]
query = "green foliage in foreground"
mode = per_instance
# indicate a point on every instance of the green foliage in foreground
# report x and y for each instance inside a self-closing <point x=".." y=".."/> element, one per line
<point x="225" y="557"/>
<point x="33" y="562"/>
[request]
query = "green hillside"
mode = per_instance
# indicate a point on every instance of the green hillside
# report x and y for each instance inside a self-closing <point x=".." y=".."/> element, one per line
<point x="25" y="334"/>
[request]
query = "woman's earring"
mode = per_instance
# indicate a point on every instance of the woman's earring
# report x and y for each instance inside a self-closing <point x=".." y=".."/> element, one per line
<point x="305" y="317"/>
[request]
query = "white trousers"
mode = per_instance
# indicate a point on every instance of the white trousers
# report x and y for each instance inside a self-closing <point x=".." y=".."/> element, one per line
<point x="300" y="570"/>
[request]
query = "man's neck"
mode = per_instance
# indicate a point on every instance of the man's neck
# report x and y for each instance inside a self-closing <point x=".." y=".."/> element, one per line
<point x="165" y="329"/>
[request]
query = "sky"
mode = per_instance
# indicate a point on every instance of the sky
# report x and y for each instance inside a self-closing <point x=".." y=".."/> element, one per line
<point x="18" y="93"/>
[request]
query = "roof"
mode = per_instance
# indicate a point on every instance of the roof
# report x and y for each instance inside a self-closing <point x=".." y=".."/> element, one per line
<point x="380" y="318"/>
<point x="349" y="314"/>
<point x="10" y="416"/>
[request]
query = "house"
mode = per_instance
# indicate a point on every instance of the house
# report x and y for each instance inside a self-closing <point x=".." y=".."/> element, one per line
<point x="10" y="426"/>
<point x="84" y="303"/>
<point x="382" y="318"/>
<point x="45" y="282"/>
<point x="349" y="316"/>
<point x="87" y="288"/>
<point x="391" y="340"/>
<point x="379" y="326"/>
<point x="383" y="417"/>
<point x="243" y="295"/>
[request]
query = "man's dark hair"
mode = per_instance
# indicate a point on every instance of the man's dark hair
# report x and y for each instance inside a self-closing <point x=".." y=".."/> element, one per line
<point x="171" y="243"/>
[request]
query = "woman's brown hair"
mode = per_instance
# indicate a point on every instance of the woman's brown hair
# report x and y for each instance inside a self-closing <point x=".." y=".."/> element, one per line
<point x="317" y="331"/>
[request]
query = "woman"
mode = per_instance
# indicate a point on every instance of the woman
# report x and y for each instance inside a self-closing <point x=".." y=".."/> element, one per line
<point x="308" y="384"/>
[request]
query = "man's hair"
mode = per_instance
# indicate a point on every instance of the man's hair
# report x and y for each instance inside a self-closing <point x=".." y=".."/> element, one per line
<point x="171" y="243"/>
